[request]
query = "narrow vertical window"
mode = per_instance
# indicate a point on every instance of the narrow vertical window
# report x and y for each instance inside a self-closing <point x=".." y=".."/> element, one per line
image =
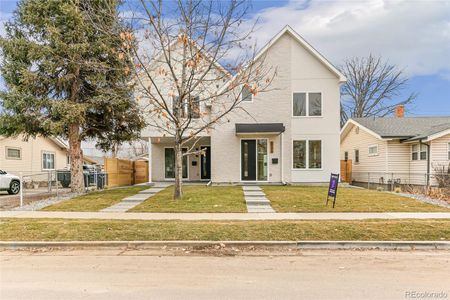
<point x="356" y="156"/>
<point x="299" y="153"/>
<point x="299" y="104"/>
<point x="315" y="154"/>
<point x="246" y="94"/>
<point x="315" y="104"/>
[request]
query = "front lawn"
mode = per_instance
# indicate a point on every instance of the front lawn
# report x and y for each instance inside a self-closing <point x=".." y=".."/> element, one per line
<point x="96" y="201"/>
<point x="134" y="230"/>
<point x="312" y="199"/>
<point x="196" y="198"/>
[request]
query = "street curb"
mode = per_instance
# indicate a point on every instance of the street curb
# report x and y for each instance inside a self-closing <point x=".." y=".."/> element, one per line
<point x="199" y="245"/>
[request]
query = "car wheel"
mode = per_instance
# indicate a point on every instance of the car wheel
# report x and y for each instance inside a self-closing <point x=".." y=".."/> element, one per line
<point x="14" y="187"/>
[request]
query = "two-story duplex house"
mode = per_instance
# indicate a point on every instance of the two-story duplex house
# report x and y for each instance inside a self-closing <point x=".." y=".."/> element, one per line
<point x="289" y="134"/>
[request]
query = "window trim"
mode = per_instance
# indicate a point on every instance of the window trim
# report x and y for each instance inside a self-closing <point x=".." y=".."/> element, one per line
<point x="372" y="154"/>
<point x="42" y="160"/>
<point x="164" y="164"/>
<point x="307" y="168"/>
<point x="242" y="95"/>
<point x="13" y="148"/>
<point x="307" y="104"/>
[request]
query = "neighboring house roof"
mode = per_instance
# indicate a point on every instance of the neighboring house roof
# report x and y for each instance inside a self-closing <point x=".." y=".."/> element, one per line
<point x="407" y="128"/>
<point x="97" y="160"/>
<point x="58" y="141"/>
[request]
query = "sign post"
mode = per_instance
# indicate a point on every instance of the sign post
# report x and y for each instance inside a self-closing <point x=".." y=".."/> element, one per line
<point x="332" y="188"/>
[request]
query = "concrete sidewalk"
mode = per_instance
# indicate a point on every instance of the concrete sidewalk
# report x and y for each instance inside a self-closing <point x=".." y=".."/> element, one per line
<point x="221" y="216"/>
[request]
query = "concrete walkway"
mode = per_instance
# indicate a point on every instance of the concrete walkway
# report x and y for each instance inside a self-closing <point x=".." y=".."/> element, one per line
<point x="256" y="200"/>
<point x="220" y="216"/>
<point x="132" y="201"/>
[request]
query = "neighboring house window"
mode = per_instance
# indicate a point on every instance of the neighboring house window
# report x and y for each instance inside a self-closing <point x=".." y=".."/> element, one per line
<point x="356" y="156"/>
<point x="373" y="150"/>
<point x="13" y="153"/>
<point x="310" y="151"/>
<point x="307" y="104"/>
<point x="48" y="161"/>
<point x="315" y="154"/>
<point x="246" y="94"/>
<point x="418" y="152"/>
<point x="448" y="148"/>
<point x="345" y="155"/>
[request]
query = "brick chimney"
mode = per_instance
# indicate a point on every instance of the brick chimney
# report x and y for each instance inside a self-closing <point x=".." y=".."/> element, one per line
<point x="400" y="111"/>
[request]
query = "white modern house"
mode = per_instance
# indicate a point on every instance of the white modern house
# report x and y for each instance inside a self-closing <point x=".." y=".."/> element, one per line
<point x="289" y="134"/>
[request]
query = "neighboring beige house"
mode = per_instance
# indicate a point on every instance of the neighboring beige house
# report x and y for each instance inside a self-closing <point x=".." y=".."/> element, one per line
<point x="405" y="149"/>
<point x="292" y="134"/>
<point x="36" y="155"/>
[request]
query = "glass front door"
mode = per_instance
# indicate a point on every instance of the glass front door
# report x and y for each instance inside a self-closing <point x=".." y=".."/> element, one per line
<point x="254" y="160"/>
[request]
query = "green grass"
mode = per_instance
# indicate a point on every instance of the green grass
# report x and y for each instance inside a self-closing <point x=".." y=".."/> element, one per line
<point x="109" y="230"/>
<point x="96" y="201"/>
<point x="196" y="198"/>
<point x="312" y="199"/>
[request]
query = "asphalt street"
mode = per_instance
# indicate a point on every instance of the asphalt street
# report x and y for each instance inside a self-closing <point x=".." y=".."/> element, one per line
<point x="108" y="274"/>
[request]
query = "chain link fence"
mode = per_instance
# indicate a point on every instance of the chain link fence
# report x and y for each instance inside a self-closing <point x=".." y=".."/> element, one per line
<point x="435" y="184"/>
<point x="36" y="186"/>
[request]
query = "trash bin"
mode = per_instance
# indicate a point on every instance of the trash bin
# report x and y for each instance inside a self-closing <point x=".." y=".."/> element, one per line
<point x="101" y="180"/>
<point x="63" y="176"/>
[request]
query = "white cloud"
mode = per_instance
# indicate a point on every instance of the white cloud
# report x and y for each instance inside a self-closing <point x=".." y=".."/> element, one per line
<point x="415" y="35"/>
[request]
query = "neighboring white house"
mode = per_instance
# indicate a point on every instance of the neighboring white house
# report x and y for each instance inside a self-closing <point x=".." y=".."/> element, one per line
<point x="33" y="156"/>
<point x="398" y="148"/>
<point x="291" y="136"/>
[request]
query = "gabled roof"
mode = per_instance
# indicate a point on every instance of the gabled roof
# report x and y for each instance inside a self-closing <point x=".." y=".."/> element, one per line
<point x="407" y="129"/>
<point x="307" y="46"/>
<point x="58" y="141"/>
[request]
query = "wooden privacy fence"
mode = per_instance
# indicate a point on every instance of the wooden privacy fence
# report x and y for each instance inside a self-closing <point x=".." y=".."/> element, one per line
<point x="123" y="172"/>
<point x="346" y="170"/>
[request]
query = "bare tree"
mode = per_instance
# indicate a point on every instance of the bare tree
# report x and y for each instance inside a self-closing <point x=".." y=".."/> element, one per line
<point x="197" y="67"/>
<point x="372" y="89"/>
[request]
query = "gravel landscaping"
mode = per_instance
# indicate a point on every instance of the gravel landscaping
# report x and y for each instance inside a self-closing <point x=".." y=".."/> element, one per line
<point x="38" y="205"/>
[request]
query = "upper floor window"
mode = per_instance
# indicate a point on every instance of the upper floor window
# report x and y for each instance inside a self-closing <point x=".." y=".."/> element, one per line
<point x="13" y="153"/>
<point x="418" y="152"/>
<point x="307" y="104"/>
<point x="48" y="161"/>
<point x="246" y="94"/>
<point x="373" y="150"/>
<point x="189" y="108"/>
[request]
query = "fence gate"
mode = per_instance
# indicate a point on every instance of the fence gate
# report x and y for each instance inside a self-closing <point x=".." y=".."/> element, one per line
<point x="140" y="171"/>
<point x="346" y="170"/>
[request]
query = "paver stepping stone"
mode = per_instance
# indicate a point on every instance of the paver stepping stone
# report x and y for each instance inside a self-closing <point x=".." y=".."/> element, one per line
<point x="256" y="200"/>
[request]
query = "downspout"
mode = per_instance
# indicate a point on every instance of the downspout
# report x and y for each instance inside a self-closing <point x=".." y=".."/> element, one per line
<point x="281" y="159"/>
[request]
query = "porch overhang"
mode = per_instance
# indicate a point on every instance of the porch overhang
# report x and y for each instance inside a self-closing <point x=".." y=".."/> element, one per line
<point x="259" y="128"/>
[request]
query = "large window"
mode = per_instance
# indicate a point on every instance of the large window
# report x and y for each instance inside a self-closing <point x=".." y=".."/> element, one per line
<point x="310" y="151"/>
<point x="13" y="153"/>
<point x="307" y="104"/>
<point x="169" y="163"/>
<point x="246" y="94"/>
<point x="419" y="152"/>
<point x="48" y="161"/>
<point x="189" y="108"/>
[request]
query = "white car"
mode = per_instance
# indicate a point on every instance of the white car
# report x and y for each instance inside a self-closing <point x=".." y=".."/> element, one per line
<point x="9" y="182"/>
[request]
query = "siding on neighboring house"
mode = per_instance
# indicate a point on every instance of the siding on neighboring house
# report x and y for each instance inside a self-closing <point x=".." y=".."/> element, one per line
<point x="399" y="157"/>
<point x="439" y="150"/>
<point x="362" y="141"/>
<point x="31" y="154"/>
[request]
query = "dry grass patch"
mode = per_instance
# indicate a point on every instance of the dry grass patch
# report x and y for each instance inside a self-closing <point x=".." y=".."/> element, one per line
<point x="129" y="230"/>
<point x="96" y="201"/>
<point x="313" y="198"/>
<point x="196" y="198"/>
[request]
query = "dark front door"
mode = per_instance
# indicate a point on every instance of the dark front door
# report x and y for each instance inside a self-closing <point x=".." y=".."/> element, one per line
<point x="248" y="159"/>
<point x="205" y="163"/>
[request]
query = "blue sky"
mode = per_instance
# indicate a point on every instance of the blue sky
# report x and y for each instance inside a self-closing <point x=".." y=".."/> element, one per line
<point x="414" y="35"/>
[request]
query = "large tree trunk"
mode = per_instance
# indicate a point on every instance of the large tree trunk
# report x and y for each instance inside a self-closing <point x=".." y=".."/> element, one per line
<point x="178" y="192"/>
<point x="76" y="159"/>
